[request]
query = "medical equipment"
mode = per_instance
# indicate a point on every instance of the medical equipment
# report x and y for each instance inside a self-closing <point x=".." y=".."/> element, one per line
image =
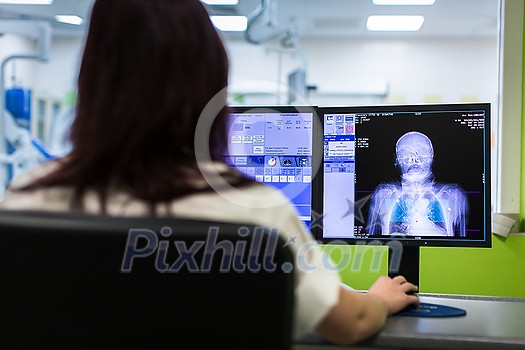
<point x="28" y="152"/>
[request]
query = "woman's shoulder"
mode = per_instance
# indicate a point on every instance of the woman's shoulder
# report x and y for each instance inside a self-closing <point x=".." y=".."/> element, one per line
<point x="29" y="176"/>
<point x="15" y="197"/>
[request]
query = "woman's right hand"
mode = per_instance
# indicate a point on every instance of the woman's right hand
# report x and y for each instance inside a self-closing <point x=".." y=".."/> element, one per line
<point x="394" y="292"/>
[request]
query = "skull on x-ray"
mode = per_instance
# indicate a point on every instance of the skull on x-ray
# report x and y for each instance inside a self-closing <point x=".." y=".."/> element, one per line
<point x="414" y="156"/>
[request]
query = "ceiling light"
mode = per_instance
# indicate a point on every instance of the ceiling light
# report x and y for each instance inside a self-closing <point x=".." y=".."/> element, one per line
<point x="26" y="2"/>
<point x="220" y="2"/>
<point x="394" y="23"/>
<point x="69" y="19"/>
<point x="230" y="23"/>
<point x="404" y="2"/>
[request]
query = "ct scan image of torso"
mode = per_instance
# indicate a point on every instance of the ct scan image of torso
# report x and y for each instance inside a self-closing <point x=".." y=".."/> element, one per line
<point x="418" y="205"/>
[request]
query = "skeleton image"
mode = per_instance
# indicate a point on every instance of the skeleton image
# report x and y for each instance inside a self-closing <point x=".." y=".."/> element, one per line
<point x="418" y="206"/>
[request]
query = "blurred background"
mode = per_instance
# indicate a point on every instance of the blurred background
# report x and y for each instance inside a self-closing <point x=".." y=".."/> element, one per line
<point x="326" y="53"/>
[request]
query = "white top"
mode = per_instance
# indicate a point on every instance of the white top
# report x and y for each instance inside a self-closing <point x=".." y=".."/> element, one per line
<point x="317" y="280"/>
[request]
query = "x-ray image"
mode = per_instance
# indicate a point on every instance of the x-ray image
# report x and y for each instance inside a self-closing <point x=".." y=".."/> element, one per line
<point x="417" y="205"/>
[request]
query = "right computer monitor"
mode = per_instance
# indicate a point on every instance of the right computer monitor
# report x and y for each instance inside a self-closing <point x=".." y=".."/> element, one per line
<point x="405" y="176"/>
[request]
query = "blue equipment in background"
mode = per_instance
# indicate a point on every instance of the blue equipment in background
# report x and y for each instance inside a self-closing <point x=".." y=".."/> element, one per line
<point x="18" y="103"/>
<point x="23" y="152"/>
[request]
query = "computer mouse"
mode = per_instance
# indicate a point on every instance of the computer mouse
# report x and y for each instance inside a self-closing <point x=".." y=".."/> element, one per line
<point x="411" y="306"/>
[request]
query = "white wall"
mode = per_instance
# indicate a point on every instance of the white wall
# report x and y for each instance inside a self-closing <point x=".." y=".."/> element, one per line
<point x="23" y="69"/>
<point x="408" y="71"/>
<point x="345" y="71"/>
<point x="403" y="71"/>
<point x="59" y="75"/>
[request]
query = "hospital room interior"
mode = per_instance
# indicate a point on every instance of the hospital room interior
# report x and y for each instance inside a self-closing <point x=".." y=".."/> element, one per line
<point x="327" y="54"/>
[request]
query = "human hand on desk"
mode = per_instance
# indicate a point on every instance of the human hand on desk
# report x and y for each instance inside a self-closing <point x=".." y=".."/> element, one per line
<point x="397" y="293"/>
<point x="359" y="315"/>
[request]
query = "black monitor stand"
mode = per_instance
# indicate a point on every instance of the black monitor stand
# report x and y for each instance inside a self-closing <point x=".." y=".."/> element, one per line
<point x="405" y="262"/>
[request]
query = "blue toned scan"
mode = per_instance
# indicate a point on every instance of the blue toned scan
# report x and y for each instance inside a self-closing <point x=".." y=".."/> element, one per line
<point x="417" y="205"/>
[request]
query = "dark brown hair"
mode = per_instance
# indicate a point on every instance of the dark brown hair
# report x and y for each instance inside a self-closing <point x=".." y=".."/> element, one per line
<point x="149" y="68"/>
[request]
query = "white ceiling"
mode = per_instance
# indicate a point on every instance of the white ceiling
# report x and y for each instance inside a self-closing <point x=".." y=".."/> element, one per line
<point x="47" y="13"/>
<point x="312" y="18"/>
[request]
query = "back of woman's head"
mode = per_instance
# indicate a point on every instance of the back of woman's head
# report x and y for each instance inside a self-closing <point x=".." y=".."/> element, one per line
<point x="149" y="68"/>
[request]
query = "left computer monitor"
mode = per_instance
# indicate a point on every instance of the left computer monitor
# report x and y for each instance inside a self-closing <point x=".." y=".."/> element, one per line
<point x="273" y="145"/>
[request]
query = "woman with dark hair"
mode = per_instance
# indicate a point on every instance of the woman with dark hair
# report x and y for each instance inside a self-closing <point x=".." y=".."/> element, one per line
<point x="149" y="69"/>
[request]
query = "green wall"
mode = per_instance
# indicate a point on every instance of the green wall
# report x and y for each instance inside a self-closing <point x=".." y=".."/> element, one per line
<point x="496" y="271"/>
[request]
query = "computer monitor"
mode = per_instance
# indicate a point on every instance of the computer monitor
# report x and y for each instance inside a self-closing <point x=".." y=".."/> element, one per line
<point x="274" y="145"/>
<point x="405" y="176"/>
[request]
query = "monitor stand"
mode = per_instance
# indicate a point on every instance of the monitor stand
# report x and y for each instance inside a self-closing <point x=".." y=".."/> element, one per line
<point x="405" y="261"/>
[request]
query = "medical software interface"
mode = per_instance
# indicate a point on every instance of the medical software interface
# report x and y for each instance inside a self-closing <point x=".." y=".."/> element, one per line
<point x="275" y="148"/>
<point x="405" y="174"/>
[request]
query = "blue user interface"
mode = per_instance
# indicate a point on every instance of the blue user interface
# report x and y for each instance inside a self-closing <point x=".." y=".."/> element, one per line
<point x="275" y="148"/>
<point x="339" y="172"/>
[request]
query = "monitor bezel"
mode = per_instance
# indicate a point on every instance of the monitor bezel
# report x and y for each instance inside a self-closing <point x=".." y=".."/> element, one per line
<point x="317" y="195"/>
<point x="232" y="108"/>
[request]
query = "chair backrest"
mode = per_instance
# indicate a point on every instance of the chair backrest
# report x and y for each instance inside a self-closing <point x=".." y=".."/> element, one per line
<point x="86" y="281"/>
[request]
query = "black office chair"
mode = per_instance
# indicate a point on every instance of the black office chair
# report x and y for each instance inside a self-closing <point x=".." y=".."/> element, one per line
<point x="94" y="282"/>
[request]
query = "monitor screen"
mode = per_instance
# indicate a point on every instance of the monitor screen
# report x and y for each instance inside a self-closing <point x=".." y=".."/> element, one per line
<point x="274" y="145"/>
<point x="417" y="174"/>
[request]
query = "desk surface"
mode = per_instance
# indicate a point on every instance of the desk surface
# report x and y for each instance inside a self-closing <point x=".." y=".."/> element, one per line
<point x="490" y="323"/>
